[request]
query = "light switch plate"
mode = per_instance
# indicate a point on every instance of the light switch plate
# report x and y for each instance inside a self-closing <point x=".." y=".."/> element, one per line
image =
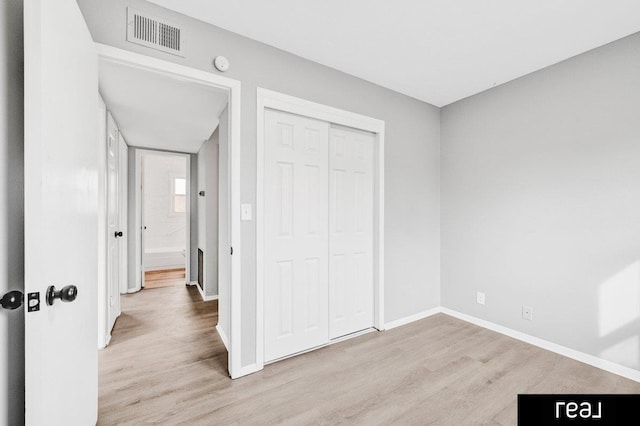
<point x="246" y="213"/>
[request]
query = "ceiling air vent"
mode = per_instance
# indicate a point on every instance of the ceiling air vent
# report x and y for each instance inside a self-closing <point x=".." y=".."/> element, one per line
<point x="153" y="32"/>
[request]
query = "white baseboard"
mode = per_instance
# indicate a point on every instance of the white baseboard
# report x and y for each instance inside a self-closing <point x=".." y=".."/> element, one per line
<point x="206" y="298"/>
<point x="209" y="298"/>
<point x="246" y="370"/>
<point x="592" y="360"/>
<point x="163" y="267"/>
<point x="412" y="318"/>
<point x="223" y="336"/>
<point x="104" y="342"/>
<point x="192" y="283"/>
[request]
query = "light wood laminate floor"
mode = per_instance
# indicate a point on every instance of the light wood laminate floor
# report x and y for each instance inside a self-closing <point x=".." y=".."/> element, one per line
<point x="167" y="365"/>
<point x="164" y="278"/>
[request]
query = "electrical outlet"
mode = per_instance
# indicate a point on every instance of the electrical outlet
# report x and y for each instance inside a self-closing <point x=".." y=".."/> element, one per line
<point x="480" y="298"/>
<point x="527" y="312"/>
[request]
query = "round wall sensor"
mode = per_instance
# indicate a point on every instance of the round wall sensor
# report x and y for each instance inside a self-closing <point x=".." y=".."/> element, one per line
<point x="221" y="63"/>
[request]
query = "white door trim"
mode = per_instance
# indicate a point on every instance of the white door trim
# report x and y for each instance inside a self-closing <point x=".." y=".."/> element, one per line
<point x="233" y="88"/>
<point x="279" y="101"/>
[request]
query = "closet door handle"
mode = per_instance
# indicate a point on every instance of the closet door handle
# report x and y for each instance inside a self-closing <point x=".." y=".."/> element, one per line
<point x="118" y="234"/>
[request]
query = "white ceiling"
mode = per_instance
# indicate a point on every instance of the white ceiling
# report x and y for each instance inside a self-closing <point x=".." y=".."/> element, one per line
<point x="438" y="51"/>
<point x="159" y="112"/>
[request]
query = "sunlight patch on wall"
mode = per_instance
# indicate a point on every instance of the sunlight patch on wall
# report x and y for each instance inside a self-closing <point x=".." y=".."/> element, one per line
<point x="625" y="353"/>
<point x="619" y="300"/>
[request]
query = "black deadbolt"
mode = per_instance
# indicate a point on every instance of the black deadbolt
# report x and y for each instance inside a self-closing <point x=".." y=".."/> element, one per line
<point x="12" y="300"/>
<point x="68" y="293"/>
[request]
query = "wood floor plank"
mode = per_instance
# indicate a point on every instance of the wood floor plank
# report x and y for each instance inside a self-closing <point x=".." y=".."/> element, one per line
<point x="164" y="278"/>
<point x="167" y="365"/>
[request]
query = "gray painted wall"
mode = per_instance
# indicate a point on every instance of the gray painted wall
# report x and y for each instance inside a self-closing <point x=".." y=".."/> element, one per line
<point x="224" y="286"/>
<point x="541" y="203"/>
<point x="208" y="211"/>
<point x="131" y="218"/>
<point x="412" y="247"/>
<point x="193" y="272"/>
<point x="11" y="211"/>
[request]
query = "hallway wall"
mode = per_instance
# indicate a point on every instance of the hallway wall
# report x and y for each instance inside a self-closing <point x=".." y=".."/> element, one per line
<point x="208" y="211"/>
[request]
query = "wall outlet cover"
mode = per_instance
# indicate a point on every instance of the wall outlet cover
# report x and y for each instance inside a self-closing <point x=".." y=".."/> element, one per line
<point x="480" y="298"/>
<point x="527" y="312"/>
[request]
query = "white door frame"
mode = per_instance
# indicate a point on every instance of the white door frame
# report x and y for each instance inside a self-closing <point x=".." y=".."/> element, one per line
<point x="232" y="87"/>
<point x="281" y="102"/>
<point x="139" y="212"/>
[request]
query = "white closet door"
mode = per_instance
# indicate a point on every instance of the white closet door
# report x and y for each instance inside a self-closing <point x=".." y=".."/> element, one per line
<point x="350" y="231"/>
<point x="296" y="235"/>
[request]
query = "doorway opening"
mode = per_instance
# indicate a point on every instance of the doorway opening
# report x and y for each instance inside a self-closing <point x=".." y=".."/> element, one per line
<point x="165" y="189"/>
<point x="180" y="128"/>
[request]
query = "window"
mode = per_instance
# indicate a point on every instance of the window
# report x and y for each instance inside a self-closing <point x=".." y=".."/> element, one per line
<point x="179" y="195"/>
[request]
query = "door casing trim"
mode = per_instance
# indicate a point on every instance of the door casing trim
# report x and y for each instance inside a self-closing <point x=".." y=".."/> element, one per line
<point x="233" y="88"/>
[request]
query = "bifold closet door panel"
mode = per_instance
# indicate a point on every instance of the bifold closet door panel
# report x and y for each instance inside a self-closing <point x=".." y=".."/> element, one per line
<point x="296" y="234"/>
<point x="350" y="231"/>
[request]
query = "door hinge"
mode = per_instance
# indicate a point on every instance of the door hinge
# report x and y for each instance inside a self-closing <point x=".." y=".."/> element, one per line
<point x="232" y="251"/>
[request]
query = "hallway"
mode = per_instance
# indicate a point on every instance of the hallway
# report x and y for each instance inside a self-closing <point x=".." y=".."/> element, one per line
<point x="164" y="348"/>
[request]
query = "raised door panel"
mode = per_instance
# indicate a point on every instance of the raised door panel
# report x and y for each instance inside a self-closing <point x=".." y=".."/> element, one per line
<point x="350" y="231"/>
<point x="296" y="234"/>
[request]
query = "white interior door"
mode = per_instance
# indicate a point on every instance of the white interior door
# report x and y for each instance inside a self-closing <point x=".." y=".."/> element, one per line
<point x="113" y="222"/>
<point x="350" y="231"/>
<point x="296" y="239"/>
<point x="61" y="213"/>
<point x="123" y="182"/>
